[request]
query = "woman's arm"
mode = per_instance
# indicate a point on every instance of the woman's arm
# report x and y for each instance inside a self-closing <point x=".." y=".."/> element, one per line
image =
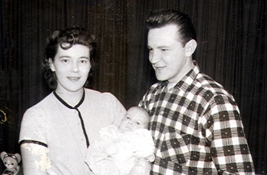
<point x="33" y="145"/>
<point x="35" y="159"/>
<point x="117" y="110"/>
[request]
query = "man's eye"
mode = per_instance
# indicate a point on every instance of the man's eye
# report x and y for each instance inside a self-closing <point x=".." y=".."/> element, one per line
<point x="137" y="123"/>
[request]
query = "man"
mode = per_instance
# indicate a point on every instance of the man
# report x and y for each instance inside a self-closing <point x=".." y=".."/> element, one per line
<point x="194" y="121"/>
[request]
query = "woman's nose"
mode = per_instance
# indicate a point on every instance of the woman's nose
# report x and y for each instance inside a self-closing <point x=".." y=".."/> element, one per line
<point x="75" y="67"/>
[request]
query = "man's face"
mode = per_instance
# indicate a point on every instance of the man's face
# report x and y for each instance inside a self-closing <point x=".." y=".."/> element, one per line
<point x="167" y="54"/>
<point x="71" y="67"/>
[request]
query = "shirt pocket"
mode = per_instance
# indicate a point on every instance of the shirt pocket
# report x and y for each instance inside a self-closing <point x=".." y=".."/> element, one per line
<point x="174" y="147"/>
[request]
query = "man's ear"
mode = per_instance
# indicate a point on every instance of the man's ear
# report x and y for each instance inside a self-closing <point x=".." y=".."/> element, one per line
<point x="51" y="64"/>
<point x="190" y="47"/>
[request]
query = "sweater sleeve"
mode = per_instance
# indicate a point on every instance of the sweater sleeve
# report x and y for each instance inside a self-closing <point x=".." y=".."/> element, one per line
<point x="33" y="143"/>
<point x="117" y="110"/>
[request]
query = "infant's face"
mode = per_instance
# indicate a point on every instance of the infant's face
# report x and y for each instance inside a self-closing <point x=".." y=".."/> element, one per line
<point x="134" y="119"/>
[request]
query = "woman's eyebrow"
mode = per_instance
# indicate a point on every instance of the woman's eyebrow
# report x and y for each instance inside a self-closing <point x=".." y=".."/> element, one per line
<point x="64" y="56"/>
<point x="84" y="57"/>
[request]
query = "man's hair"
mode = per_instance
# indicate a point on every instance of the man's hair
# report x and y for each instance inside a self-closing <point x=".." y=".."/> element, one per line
<point x="65" y="39"/>
<point x="162" y="18"/>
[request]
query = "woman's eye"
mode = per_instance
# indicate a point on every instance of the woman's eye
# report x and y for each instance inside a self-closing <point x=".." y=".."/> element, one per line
<point x="84" y="61"/>
<point x="64" y="60"/>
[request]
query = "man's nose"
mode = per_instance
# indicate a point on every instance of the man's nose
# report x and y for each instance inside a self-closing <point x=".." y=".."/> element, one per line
<point x="154" y="57"/>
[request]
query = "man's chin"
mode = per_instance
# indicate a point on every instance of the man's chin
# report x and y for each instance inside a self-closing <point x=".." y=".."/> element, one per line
<point x="159" y="78"/>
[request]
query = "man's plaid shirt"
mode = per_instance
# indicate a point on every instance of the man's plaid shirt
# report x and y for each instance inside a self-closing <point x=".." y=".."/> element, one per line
<point x="197" y="128"/>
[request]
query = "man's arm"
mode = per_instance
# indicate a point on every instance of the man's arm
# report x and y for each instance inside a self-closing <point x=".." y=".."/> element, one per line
<point x="229" y="147"/>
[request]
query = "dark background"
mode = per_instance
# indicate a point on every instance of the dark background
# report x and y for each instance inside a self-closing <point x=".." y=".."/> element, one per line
<point x="231" y="49"/>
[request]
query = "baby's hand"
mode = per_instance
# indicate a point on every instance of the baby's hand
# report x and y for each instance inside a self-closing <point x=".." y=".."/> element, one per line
<point x="150" y="158"/>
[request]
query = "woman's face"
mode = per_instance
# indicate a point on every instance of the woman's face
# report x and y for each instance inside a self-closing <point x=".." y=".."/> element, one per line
<point x="71" y="67"/>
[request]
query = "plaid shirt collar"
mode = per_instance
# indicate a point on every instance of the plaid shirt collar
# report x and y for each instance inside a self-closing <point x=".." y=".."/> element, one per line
<point x="186" y="80"/>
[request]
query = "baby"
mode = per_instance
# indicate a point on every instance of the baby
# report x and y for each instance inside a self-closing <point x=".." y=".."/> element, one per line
<point x="124" y="150"/>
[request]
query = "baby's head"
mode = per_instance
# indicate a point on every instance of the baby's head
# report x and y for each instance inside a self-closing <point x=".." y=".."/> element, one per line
<point x="135" y="118"/>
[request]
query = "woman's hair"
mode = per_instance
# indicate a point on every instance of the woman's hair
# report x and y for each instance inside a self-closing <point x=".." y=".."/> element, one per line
<point x="65" y="39"/>
<point x="161" y="18"/>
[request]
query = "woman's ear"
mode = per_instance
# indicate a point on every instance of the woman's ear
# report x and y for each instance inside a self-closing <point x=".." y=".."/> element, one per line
<point x="51" y="64"/>
<point x="190" y="47"/>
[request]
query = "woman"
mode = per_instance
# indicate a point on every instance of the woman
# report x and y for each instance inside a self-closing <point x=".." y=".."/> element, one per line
<point x="56" y="132"/>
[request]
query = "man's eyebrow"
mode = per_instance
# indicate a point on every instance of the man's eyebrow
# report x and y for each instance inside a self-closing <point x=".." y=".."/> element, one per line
<point x="160" y="47"/>
<point x="163" y="46"/>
